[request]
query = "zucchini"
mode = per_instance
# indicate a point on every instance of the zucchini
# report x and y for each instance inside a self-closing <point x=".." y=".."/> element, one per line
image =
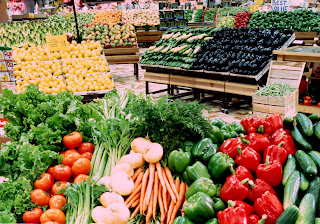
<point x="314" y="188"/>
<point x="196" y="50"/>
<point x="315" y="156"/>
<point x="306" y="163"/>
<point x="166" y="49"/>
<point x="289" y="216"/>
<point x="187" y="51"/>
<point x="288" y="123"/>
<point x="307" y="210"/>
<point x="316" y="129"/>
<point x="304" y="183"/>
<point x="300" y="139"/>
<point x="176" y="35"/>
<point x="304" y="124"/>
<point x="158" y="48"/>
<point x="314" y="117"/>
<point x="291" y="190"/>
<point x="289" y="168"/>
<point x="190" y="39"/>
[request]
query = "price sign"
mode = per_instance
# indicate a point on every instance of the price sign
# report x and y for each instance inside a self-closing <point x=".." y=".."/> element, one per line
<point x="200" y="5"/>
<point x="258" y="2"/>
<point x="254" y="8"/>
<point x="280" y="5"/>
<point x="67" y="15"/>
<point x="31" y="15"/>
<point x="57" y="43"/>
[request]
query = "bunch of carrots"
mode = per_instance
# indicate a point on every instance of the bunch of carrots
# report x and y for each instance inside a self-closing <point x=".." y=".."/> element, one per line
<point x="156" y="187"/>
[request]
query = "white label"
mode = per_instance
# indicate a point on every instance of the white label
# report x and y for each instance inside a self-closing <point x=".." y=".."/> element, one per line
<point x="280" y="5"/>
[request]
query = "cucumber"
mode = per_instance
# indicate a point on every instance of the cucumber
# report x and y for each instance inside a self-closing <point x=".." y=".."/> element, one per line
<point x="304" y="183"/>
<point x="289" y="216"/>
<point x="304" y="124"/>
<point x="314" y="117"/>
<point x="307" y="210"/>
<point x="314" y="188"/>
<point x="316" y="130"/>
<point x="291" y="190"/>
<point x="289" y="168"/>
<point x="315" y="156"/>
<point x="306" y="163"/>
<point x="317" y="221"/>
<point x="299" y="139"/>
<point x="288" y="123"/>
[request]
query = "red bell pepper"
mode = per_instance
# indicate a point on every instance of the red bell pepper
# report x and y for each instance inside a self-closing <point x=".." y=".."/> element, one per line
<point x="283" y="136"/>
<point x="258" y="142"/>
<point x="262" y="127"/>
<point x="230" y="147"/>
<point x="232" y="216"/>
<point x="279" y="133"/>
<point x="241" y="172"/>
<point x="271" y="172"/>
<point x="258" y="188"/>
<point x="234" y="189"/>
<point x="240" y="204"/>
<point x="276" y="153"/>
<point x="275" y="121"/>
<point x="254" y="219"/>
<point x="269" y="205"/>
<point x="248" y="158"/>
<point x="247" y="123"/>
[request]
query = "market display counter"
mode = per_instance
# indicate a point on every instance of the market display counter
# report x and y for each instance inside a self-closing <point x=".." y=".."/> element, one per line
<point x="123" y="56"/>
<point x="149" y="36"/>
<point x="202" y="25"/>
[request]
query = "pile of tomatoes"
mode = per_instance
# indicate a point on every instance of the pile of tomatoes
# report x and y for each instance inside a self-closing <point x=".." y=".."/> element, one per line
<point x="242" y="19"/>
<point x="75" y="168"/>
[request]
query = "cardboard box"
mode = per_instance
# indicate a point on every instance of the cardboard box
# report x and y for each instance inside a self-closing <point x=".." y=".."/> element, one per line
<point x="9" y="65"/>
<point x="4" y="76"/>
<point x="7" y="55"/>
<point x="3" y="66"/>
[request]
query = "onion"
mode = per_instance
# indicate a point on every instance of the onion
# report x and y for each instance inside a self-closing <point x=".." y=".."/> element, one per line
<point x="108" y="198"/>
<point x="122" y="183"/>
<point x="140" y="144"/>
<point x="99" y="214"/>
<point x="123" y="167"/>
<point x="136" y="160"/>
<point x="153" y="153"/>
<point x="117" y="213"/>
<point x="106" y="181"/>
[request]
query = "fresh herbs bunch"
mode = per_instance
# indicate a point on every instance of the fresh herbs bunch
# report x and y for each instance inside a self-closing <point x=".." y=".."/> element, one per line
<point x="275" y="89"/>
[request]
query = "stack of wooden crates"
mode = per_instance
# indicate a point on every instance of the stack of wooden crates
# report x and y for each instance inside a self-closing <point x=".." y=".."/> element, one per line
<point x="280" y="72"/>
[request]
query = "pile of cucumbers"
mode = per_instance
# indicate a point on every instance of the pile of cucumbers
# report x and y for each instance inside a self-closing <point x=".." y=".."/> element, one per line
<point x="301" y="172"/>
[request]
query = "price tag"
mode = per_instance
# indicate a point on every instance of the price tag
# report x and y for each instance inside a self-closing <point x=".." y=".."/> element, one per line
<point x="31" y="15"/>
<point x="200" y="5"/>
<point x="254" y="8"/>
<point x="67" y="15"/>
<point x="258" y="2"/>
<point x="318" y="8"/>
<point x="57" y="43"/>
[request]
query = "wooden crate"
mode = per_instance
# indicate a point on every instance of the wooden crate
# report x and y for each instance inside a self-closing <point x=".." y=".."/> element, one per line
<point x="281" y="72"/>
<point x="306" y="35"/>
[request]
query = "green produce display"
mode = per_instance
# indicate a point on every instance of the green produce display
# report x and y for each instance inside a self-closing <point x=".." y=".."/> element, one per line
<point x="275" y="89"/>
<point x="178" y="161"/>
<point x="300" y="20"/>
<point x="209" y="15"/>
<point x="198" y="16"/>
<point x="231" y="11"/>
<point x="188" y="14"/>
<point x="204" y="185"/>
<point x="226" y="21"/>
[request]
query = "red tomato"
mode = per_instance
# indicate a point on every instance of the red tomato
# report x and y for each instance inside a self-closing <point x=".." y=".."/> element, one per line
<point x="81" y="166"/>
<point x="86" y="147"/>
<point x="32" y="216"/>
<point x="308" y="97"/>
<point x="40" y="197"/>
<point x="58" y="186"/>
<point x="319" y="104"/>
<point x="53" y="214"/>
<point x="62" y="153"/>
<point x="57" y="201"/>
<point x="71" y="158"/>
<point x="44" y="182"/>
<point x="62" y="172"/>
<point x="87" y="155"/>
<point x="69" y="151"/>
<point x="50" y="170"/>
<point x="72" y="140"/>
<point x="79" y="178"/>
<point x="306" y="102"/>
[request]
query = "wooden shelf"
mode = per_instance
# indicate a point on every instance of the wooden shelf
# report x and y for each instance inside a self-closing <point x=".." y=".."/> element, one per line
<point x="150" y="33"/>
<point x="308" y="109"/>
<point x="148" y="39"/>
<point x="123" y="59"/>
<point x="121" y="51"/>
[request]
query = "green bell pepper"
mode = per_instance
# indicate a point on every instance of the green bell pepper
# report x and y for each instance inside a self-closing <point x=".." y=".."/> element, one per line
<point x="195" y="171"/>
<point x="212" y="221"/>
<point x="202" y="184"/>
<point x="219" y="186"/>
<point x="218" y="122"/>
<point x="218" y="204"/>
<point x="179" y="160"/>
<point x="205" y="149"/>
<point x="182" y="220"/>
<point x="219" y="163"/>
<point x="199" y="208"/>
<point x="188" y="146"/>
<point x="228" y="132"/>
<point x="217" y="132"/>
<point x="237" y="127"/>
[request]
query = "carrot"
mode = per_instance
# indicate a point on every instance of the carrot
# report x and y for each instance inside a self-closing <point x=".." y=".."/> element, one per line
<point x="136" y="191"/>
<point x="149" y="187"/>
<point x="177" y="184"/>
<point x="138" y="180"/>
<point x="143" y="189"/>
<point x="149" y="214"/>
<point x="161" y="204"/>
<point x="164" y="197"/>
<point x="172" y="205"/>
<point x="159" y="169"/>
<point x="135" y="212"/>
<point x="133" y="200"/>
<point x="172" y="195"/>
<point x="155" y="195"/>
<point x="136" y="203"/>
<point x="171" y="181"/>
<point x="182" y="212"/>
<point x="136" y="173"/>
<point x="182" y="192"/>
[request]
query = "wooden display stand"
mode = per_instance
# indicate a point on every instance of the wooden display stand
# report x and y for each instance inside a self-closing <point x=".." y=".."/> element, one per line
<point x="124" y="56"/>
<point x="3" y="12"/>
<point x="149" y="36"/>
<point x="280" y="72"/>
